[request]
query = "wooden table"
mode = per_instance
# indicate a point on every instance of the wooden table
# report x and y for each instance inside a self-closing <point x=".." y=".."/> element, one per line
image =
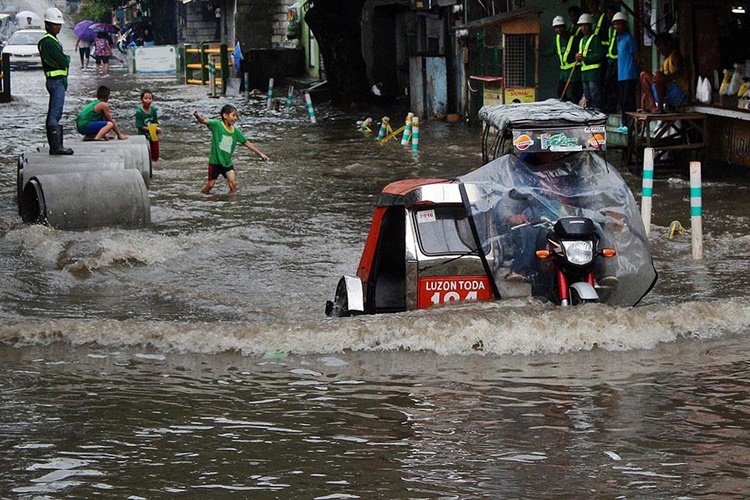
<point x="671" y="132"/>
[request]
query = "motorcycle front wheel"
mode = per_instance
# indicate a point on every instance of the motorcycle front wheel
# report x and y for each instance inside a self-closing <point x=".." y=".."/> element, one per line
<point x="576" y="299"/>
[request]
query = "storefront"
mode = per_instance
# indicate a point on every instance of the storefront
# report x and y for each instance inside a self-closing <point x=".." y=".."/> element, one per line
<point x="714" y="36"/>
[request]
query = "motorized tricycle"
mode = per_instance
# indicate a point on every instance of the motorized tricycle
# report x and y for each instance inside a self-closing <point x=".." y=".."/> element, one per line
<point x="545" y="216"/>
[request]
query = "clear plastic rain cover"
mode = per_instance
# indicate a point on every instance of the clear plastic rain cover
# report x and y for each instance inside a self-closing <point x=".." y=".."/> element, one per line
<point x="579" y="184"/>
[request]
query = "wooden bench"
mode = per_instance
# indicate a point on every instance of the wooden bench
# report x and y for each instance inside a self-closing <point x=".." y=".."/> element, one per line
<point x="670" y="132"/>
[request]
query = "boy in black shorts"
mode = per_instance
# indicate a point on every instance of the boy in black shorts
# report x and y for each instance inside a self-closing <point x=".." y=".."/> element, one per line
<point x="223" y="141"/>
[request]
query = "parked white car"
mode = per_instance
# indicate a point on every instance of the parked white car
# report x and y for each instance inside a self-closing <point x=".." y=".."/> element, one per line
<point x="22" y="47"/>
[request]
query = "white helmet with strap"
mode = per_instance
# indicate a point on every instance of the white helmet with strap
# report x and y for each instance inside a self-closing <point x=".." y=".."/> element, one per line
<point x="619" y="16"/>
<point x="558" y="21"/>
<point x="54" y="16"/>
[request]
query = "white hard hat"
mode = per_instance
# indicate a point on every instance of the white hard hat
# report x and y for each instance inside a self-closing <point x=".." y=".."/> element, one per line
<point x="558" y="21"/>
<point x="619" y="16"/>
<point x="585" y="19"/>
<point x="54" y="16"/>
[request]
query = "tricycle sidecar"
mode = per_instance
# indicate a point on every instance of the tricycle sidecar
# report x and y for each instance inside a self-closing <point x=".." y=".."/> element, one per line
<point x="420" y="251"/>
<point x="434" y="241"/>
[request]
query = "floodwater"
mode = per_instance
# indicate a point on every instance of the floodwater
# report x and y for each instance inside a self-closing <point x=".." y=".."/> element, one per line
<point x="192" y="358"/>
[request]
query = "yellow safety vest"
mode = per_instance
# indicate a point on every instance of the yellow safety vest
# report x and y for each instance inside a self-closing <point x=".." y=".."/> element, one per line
<point x="612" y="50"/>
<point x="55" y="72"/>
<point x="584" y="49"/>
<point x="563" y="55"/>
<point x="599" y="27"/>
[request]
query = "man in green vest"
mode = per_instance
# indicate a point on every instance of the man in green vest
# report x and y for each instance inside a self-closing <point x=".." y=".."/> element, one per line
<point x="599" y="21"/>
<point x="55" y="64"/>
<point x="590" y="55"/>
<point x="609" y="66"/>
<point x="569" y="87"/>
<point x="574" y="12"/>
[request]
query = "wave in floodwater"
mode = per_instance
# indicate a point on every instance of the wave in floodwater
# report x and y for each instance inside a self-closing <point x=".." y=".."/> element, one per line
<point x="497" y="328"/>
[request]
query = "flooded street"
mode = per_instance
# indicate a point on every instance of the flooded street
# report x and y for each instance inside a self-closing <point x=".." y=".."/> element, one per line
<point x="193" y="358"/>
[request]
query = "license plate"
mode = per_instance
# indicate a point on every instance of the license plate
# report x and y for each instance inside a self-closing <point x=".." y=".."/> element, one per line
<point x="433" y="291"/>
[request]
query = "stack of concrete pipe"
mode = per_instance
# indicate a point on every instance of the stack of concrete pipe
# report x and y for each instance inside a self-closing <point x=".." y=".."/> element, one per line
<point x="105" y="183"/>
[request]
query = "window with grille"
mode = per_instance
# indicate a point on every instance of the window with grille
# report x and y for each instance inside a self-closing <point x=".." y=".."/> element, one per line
<point x="519" y="60"/>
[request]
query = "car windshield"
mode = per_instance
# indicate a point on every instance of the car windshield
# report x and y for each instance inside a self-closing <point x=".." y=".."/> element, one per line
<point x="25" y="38"/>
<point x="444" y="230"/>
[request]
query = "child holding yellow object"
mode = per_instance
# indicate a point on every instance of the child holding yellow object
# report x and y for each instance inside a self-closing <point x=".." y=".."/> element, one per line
<point x="147" y="122"/>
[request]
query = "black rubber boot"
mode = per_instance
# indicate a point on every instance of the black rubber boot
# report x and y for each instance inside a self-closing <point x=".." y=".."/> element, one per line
<point x="55" y="140"/>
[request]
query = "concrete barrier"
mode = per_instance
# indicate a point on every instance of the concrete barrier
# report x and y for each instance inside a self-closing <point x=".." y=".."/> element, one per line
<point x="81" y="200"/>
<point x="105" y="183"/>
<point x="135" y="151"/>
<point x="31" y="164"/>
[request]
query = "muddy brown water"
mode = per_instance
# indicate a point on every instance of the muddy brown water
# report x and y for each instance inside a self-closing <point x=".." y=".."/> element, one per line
<point x="193" y="358"/>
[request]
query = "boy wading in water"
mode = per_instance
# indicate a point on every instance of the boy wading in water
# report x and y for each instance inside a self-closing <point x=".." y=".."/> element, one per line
<point x="225" y="137"/>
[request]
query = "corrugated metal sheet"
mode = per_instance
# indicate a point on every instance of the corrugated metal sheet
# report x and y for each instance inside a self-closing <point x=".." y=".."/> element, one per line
<point x="730" y="140"/>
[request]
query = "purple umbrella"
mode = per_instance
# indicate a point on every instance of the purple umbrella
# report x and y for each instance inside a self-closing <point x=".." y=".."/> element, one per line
<point x="82" y="31"/>
<point x="105" y="27"/>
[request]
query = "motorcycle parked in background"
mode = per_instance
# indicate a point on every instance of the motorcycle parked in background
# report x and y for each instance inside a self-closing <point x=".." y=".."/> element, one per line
<point x="129" y="38"/>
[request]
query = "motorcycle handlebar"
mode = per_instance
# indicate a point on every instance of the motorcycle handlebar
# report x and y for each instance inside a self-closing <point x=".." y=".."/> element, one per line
<point x="540" y="222"/>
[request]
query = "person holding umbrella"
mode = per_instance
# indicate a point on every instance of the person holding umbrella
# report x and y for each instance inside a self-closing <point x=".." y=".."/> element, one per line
<point x="84" y="50"/>
<point x="55" y="64"/>
<point x="27" y="19"/>
<point x="102" y="52"/>
<point x="85" y="39"/>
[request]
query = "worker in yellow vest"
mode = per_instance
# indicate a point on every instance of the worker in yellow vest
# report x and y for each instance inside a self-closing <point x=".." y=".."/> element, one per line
<point x="609" y="66"/>
<point x="590" y="56"/>
<point x="55" y="64"/>
<point x="599" y="21"/>
<point x="569" y="87"/>
<point x="574" y="12"/>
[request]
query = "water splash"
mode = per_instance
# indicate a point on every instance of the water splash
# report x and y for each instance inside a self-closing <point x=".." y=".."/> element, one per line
<point x="522" y="327"/>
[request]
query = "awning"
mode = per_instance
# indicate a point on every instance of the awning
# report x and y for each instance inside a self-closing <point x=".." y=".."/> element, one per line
<point x="503" y="18"/>
<point x="487" y="79"/>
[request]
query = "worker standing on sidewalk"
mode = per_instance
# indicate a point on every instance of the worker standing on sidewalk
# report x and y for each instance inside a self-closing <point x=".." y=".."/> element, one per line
<point x="55" y="64"/>
<point x="569" y="87"/>
<point x="627" y="70"/>
<point x="590" y="55"/>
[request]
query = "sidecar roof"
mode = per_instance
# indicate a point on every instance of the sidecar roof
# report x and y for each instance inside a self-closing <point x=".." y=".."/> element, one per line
<point x="408" y="192"/>
<point x="551" y="113"/>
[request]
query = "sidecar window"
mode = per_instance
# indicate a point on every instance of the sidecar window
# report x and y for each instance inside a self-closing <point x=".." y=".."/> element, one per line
<point x="443" y="230"/>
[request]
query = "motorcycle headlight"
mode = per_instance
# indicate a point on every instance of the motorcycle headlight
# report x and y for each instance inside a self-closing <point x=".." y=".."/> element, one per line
<point x="579" y="252"/>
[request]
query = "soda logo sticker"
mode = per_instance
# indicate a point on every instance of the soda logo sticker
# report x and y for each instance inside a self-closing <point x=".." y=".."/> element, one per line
<point x="523" y="142"/>
<point x="558" y="140"/>
<point x="596" y="142"/>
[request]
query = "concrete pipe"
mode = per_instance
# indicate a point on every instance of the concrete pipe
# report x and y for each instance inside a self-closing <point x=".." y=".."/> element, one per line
<point x="134" y="142"/>
<point x="135" y="150"/>
<point x="82" y="200"/>
<point x="39" y="164"/>
<point x="130" y="156"/>
<point x="30" y="166"/>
